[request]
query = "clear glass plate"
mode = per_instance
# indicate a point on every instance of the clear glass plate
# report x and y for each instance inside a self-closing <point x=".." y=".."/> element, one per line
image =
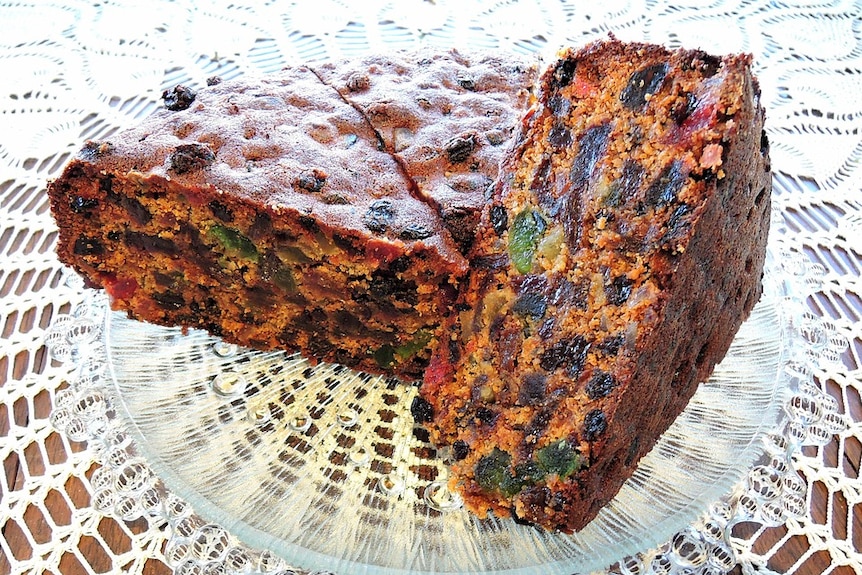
<point x="324" y="466"/>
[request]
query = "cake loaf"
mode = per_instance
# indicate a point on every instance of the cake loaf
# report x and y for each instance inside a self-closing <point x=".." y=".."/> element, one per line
<point x="622" y="249"/>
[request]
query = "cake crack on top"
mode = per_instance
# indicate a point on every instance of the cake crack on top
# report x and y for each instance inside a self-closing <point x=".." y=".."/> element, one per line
<point x="559" y="256"/>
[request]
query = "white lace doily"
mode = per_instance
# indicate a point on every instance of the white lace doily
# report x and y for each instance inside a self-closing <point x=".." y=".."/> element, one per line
<point x="82" y="70"/>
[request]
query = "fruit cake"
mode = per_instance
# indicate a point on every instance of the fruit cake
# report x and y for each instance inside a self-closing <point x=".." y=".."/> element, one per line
<point x="621" y="251"/>
<point x="560" y="258"/>
<point x="264" y="211"/>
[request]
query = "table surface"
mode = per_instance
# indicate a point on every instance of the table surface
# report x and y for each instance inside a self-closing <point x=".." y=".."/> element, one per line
<point x="78" y="70"/>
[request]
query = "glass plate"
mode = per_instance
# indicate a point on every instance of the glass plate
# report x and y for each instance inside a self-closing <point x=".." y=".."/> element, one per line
<point x="324" y="466"/>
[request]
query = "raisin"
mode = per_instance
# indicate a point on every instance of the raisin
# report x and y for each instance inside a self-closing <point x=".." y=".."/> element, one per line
<point x="595" y="424"/>
<point x="600" y="385"/>
<point x="221" y="211"/>
<point x="415" y="232"/>
<point x="560" y="106"/>
<point x="459" y="148"/>
<point x="499" y="219"/>
<point x="538" y="424"/>
<point x="524" y="236"/>
<point x="379" y="216"/>
<point x="564" y="73"/>
<point x="534" y="388"/>
<point x="530" y="283"/>
<point x="311" y="181"/>
<point x="568" y="293"/>
<point x="531" y="304"/>
<point x="560" y="136"/>
<point x="486" y="416"/>
<point x="93" y="150"/>
<point x="86" y="246"/>
<point x="634" y="446"/>
<point x="682" y="109"/>
<point x="492" y="470"/>
<point x="81" y="205"/>
<point x="422" y="410"/>
<point x="169" y="300"/>
<point x="618" y="290"/>
<point x="261" y="226"/>
<point x="591" y="147"/>
<point x="386" y="286"/>
<point x="150" y="243"/>
<point x="460" y="450"/>
<point x="213" y="80"/>
<point x="466" y="82"/>
<point x="138" y="212"/>
<point x="667" y="185"/>
<point x="541" y="185"/>
<point x="626" y="186"/>
<point x="571" y="353"/>
<point x="642" y="83"/>
<point x="612" y="344"/>
<point x="106" y="184"/>
<point x="707" y="64"/>
<point x="677" y="226"/>
<point x="494" y="262"/>
<point x="178" y="98"/>
<point x="191" y="157"/>
<point x="559" y="458"/>
<point x="309" y="223"/>
<point x="358" y="82"/>
<point x="546" y="330"/>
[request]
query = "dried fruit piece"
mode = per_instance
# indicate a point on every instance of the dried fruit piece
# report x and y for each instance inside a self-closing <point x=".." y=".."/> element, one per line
<point x="189" y="157"/>
<point x="492" y="470"/>
<point x="559" y="458"/>
<point x="595" y="423"/>
<point x="421" y="410"/>
<point x="667" y="185"/>
<point x="178" y="98"/>
<point x="600" y="385"/>
<point x="379" y="216"/>
<point x="643" y="84"/>
<point x="233" y="243"/>
<point x="524" y="236"/>
<point x="460" y="148"/>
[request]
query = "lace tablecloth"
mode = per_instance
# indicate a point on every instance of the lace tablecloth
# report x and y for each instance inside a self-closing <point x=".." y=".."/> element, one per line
<point x="80" y="70"/>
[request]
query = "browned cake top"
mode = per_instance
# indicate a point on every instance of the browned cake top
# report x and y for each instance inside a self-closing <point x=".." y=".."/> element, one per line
<point x="287" y="143"/>
<point x="448" y="118"/>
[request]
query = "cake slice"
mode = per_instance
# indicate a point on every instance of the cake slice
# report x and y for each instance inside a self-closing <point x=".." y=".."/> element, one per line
<point x="265" y="211"/>
<point x="622" y="249"/>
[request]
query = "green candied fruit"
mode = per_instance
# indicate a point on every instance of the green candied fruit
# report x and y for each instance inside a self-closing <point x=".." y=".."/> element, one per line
<point x="559" y="458"/>
<point x="233" y="242"/>
<point x="420" y="341"/>
<point x="528" y="473"/>
<point x="524" y="236"/>
<point x="492" y="471"/>
<point x="385" y="355"/>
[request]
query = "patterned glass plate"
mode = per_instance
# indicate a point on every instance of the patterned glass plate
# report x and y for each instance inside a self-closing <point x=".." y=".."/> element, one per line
<point x="324" y="466"/>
